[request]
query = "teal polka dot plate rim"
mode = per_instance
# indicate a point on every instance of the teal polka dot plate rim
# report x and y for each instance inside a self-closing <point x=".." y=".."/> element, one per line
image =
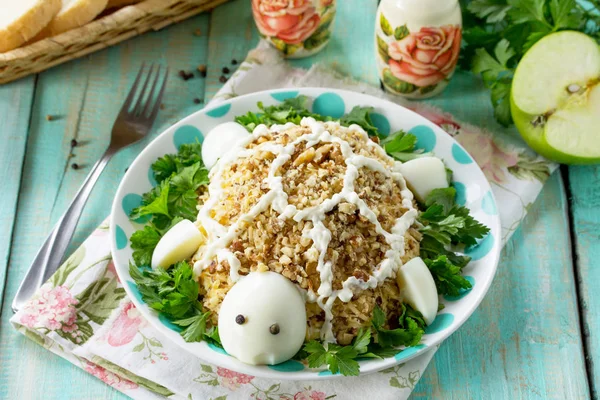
<point x="281" y="96"/>
<point x="460" y="155"/>
<point x="426" y="137"/>
<point x="488" y="204"/>
<point x="473" y="191"/>
<point x="461" y="193"/>
<point x="130" y="202"/>
<point x="382" y="123"/>
<point x="220" y="111"/>
<point x="329" y="104"/>
<point x="120" y="238"/>
<point x="187" y="134"/>
<point x="288" y="366"/>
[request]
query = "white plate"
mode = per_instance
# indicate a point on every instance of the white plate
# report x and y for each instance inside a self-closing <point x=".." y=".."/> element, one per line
<point x="472" y="187"/>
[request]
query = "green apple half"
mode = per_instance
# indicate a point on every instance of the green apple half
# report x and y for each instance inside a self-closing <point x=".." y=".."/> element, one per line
<point x="555" y="98"/>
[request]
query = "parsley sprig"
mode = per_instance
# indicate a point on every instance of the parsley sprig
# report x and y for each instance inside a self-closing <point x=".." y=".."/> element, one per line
<point x="174" y="293"/>
<point x="179" y="176"/>
<point x="446" y="224"/>
<point x="373" y="342"/>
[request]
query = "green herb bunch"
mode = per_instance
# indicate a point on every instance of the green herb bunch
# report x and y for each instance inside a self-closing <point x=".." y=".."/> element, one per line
<point x="498" y="33"/>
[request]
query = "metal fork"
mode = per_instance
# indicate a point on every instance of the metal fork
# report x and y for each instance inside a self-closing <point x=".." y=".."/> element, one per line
<point x="133" y="123"/>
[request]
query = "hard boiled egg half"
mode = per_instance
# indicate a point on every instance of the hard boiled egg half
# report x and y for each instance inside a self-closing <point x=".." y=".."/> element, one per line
<point x="262" y="319"/>
<point x="424" y="174"/>
<point x="219" y="140"/>
<point x="418" y="288"/>
<point x="178" y="244"/>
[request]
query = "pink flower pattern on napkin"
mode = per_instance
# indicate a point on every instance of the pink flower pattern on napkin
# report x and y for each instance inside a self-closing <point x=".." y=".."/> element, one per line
<point x="125" y="326"/>
<point x="493" y="159"/>
<point x="51" y="308"/>
<point x="233" y="380"/>
<point x="109" y="378"/>
<point x="309" y="395"/>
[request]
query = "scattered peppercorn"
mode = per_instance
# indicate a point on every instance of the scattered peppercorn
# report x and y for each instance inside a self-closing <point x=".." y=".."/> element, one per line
<point x="240" y="319"/>
<point x="198" y="32"/>
<point x="197" y="101"/>
<point x="274" y="329"/>
<point x="234" y="62"/>
<point x="202" y="68"/>
<point x="162" y="106"/>
<point x="185" y="75"/>
<point x="225" y="70"/>
<point x="222" y="79"/>
<point x="73" y="142"/>
<point x="75" y="166"/>
<point x="49" y="117"/>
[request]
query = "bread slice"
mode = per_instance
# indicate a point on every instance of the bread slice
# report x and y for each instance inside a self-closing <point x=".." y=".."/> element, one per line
<point x="20" y="20"/>
<point x="73" y="14"/>
<point x="120" y="3"/>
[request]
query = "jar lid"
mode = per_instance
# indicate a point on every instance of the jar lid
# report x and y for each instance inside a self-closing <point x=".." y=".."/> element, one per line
<point x="424" y="8"/>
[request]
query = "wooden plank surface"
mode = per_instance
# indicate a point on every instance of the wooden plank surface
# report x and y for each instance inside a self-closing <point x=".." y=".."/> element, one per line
<point x="527" y="328"/>
<point x="84" y="95"/>
<point x="15" y="110"/>
<point x="584" y="189"/>
<point x="523" y="342"/>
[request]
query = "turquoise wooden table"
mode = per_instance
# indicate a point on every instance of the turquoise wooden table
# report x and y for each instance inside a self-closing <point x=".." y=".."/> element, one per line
<point x="536" y="334"/>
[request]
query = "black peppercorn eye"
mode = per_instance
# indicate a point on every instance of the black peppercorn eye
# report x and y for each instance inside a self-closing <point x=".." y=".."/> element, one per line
<point x="240" y="319"/>
<point x="274" y="329"/>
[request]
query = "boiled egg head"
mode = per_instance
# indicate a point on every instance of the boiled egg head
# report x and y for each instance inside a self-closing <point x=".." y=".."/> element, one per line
<point x="262" y="319"/>
<point x="220" y="140"/>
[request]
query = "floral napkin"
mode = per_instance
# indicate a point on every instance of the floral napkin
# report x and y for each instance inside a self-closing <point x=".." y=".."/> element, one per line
<point x="83" y="314"/>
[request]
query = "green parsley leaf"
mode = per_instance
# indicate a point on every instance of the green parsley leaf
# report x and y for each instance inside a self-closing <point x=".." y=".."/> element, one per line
<point x="212" y="336"/>
<point x="316" y="354"/>
<point x="143" y="243"/>
<point x="338" y="358"/>
<point x="290" y="110"/>
<point x="158" y="205"/>
<point x="360" y="116"/>
<point x="195" y="327"/>
<point x="409" y="333"/>
<point x="174" y="293"/>
<point x="527" y="11"/>
<point x="343" y="361"/>
<point x="497" y="76"/>
<point x="362" y="340"/>
<point x="164" y="167"/>
<point x="399" y="142"/>
<point x="491" y="10"/>
<point x="444" y="197"/>
<point x="378" y="319"/>
<point x="447" y="276"/>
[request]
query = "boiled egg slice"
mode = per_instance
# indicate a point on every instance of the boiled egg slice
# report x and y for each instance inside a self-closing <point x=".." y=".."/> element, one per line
<point x="418" y="288"/>
<point x="262" y="319"/>
<point x="219" y="140"/>
<point x="178" y="244"/>
<point x="424" y="174"/>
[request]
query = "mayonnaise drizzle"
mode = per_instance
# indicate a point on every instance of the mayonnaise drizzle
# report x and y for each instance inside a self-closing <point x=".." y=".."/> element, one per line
<point x="220" y="237"/>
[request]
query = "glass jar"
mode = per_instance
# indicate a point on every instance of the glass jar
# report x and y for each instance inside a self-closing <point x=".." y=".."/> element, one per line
<point x="298" y="28"/>
<point x="417" y="45"/>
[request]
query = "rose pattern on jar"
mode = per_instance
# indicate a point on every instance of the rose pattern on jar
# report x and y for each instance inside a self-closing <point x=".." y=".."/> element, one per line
<point x="298" y="28"/>
<point x="417" y="46"/>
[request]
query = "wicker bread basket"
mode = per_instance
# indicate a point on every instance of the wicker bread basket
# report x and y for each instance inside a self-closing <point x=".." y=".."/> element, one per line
<point x="103" y="32"/>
